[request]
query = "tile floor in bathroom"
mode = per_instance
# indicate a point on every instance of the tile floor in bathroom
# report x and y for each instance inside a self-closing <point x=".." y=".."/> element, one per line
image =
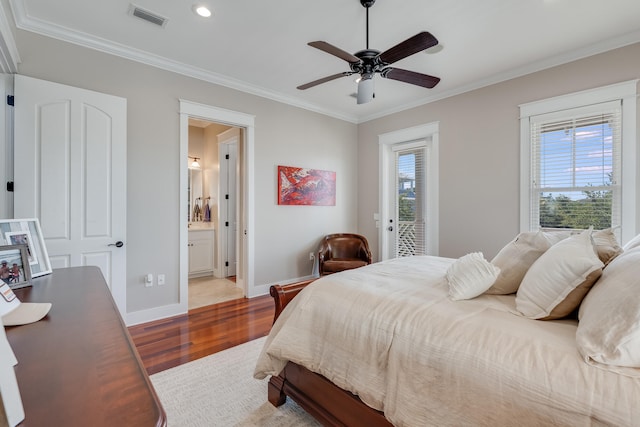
<point x="211" y="290"/>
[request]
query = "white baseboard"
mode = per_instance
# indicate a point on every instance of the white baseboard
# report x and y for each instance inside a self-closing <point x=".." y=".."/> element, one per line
<point x="260" y="290"/>
<point x="156" y="313"/>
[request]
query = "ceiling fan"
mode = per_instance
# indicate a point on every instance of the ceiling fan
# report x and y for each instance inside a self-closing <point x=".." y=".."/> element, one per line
<point x="368" y="62"/>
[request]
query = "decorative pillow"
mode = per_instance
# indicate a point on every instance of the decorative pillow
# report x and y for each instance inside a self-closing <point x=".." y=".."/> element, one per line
<point x="633" y="243"/>
<point x="470" y="276"/>
<point x="556" y="235"/>
<point x="609" y="327"/>
<point x="515" y="259"/>
<point x="557" y="282"/>
<point x="606" y="245"/>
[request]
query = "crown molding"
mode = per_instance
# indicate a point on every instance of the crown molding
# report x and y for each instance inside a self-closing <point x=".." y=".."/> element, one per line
<point x="38" y="26"/>
<point x="25" y="22"/>
<point x="9" y="56"/>
<point x="553" y="61"/>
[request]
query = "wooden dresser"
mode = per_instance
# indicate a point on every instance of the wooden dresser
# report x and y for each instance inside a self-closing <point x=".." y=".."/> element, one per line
<point x="78" y="366"/>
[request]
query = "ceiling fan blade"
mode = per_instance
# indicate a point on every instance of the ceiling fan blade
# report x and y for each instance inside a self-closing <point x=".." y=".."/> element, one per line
<point x="324" y="80"/>
<point x="411" y="77"/>
<point x="331" y="49"/>
<point x="415" y="44"/>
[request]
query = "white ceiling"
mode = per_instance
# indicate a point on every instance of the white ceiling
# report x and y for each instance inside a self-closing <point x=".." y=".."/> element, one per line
<point x="261" y="46"/>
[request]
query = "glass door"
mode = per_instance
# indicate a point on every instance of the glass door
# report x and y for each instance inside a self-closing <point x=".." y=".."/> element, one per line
<point x="409" y="195"/>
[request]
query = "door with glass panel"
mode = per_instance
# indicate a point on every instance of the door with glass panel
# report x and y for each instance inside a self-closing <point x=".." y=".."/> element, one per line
<point x="407" y="222"/>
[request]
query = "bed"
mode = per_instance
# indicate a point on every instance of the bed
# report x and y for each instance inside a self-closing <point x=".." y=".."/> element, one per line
<point x="387" y="345"/>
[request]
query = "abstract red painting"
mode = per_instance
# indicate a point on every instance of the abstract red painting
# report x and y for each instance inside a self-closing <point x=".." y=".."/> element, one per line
<point x="301" y="186"/>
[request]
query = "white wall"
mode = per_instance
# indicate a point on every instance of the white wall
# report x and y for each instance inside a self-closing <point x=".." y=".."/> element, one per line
<point x="479" y="151"/>
<point x="284" y="235"/>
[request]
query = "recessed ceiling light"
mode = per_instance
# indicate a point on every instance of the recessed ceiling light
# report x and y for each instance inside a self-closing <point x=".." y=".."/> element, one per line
<point x="202" y="10"/>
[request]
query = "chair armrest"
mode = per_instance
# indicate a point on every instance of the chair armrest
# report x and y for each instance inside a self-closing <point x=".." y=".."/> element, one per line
<point x="365" y="254"/>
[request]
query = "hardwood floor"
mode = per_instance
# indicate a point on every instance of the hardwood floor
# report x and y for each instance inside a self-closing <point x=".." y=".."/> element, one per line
<point x="170" y="342"/>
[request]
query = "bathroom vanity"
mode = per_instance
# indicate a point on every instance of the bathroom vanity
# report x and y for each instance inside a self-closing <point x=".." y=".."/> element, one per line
<point x="201" y="249"/>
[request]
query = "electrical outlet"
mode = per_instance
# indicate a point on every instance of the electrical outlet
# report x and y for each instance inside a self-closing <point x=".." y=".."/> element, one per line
<point x="311" y="256"/>
<point x="161" y="279"/>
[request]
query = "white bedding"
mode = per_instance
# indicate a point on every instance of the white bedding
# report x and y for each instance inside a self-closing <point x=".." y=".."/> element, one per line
<point x="389" y="333"/>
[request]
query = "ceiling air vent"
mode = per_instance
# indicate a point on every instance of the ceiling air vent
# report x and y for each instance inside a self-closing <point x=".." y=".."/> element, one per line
<point x="148" y="16"/>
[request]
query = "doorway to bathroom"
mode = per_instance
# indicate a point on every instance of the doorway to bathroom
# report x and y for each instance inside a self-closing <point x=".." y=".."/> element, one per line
<point x="213" y="207"/>
<point x="245" y="240"/>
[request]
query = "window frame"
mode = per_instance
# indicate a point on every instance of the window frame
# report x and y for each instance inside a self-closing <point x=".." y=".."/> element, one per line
<point x="626" y="93"/>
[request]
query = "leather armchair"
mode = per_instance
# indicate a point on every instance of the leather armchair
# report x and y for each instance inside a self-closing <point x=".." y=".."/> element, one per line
<point x="343" y="251"/>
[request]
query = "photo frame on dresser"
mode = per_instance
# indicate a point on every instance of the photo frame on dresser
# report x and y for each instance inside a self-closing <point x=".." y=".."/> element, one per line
<point x="14" y="266"/>
<point x="27" y="232"/>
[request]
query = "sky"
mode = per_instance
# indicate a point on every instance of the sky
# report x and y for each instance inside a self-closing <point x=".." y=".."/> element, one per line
<point x="576" y="157"/>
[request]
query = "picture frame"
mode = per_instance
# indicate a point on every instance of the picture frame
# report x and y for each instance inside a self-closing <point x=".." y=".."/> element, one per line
<point x="27" y="231"/>
<point x="306" y="187"/>
<point x="14" y="266"/>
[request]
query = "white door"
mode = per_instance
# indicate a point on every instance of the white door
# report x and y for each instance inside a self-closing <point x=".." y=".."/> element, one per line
<point x="229" y="204"/>
<point x="70" y="172"/>
<point x="410" y="194"/>
<point x="408" y="217"/>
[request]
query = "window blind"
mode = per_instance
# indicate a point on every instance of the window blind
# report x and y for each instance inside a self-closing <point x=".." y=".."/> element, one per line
<point x="576" y="167"/>
<point x="410" y="206"/>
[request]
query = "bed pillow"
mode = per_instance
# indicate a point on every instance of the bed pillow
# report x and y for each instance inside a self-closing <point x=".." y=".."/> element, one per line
<point x="633" y="243"/>
<point x="606" y="245"/>
<point x="515" y="259"/>
<point x="557" y="282"/>
<point x="470" y="276"/>
<point x="609" y="327"/>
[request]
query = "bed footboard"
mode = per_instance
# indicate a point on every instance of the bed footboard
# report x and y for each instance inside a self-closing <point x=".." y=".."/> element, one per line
<point x="283" y="294"/>
<point x="325" y="401"/>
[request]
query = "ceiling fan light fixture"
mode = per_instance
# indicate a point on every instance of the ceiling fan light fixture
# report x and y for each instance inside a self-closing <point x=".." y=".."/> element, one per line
<point x="365" y="89"/>
<point x="368" y="62"/>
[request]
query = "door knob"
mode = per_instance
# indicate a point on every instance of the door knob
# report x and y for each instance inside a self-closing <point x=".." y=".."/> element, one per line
<point x="117" y="244"/>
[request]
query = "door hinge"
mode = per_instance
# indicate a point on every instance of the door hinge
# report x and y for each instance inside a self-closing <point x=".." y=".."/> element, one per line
<point x="10" y="186"/>
<point x="226" y="155"/>
<point x="226" y="263"/>
<point x="226" y="223"/>
<point x="10" y="100"/>
<point x="226" y="196"/>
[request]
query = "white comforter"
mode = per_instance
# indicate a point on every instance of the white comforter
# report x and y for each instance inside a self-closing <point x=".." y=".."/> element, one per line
<point x="389" y="334"/>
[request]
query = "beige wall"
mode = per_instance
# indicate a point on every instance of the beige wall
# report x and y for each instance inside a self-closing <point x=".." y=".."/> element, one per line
<point x="479" y="151"/>
<point x="479" y="158"/>
<point x="284" y="135"/>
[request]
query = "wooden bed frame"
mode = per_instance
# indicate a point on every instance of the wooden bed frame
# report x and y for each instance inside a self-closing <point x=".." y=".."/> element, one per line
<point x="325" y="401"/>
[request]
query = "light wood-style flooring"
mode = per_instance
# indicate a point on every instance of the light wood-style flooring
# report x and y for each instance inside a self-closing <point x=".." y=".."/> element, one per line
<point x="170" y="342"/>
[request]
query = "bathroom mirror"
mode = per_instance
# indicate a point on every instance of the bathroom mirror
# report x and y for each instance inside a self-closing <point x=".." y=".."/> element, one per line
<point x="195" y="193"/>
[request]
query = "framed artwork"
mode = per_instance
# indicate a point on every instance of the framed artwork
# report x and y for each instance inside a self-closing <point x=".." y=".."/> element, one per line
<point x="27" y="232"/>
<point x="14" y="266"/>
<point x="302" y="186"/>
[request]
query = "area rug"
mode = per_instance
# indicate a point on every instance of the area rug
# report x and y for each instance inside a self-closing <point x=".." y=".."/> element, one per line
<point x="219" y="390"/>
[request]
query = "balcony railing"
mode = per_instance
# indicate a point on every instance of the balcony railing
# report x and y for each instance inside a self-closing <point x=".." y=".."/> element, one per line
<point x="410" y="239"/>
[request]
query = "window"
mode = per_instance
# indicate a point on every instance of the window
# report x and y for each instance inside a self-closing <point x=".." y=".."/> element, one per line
<point x="576" y="168"/>
<point x="573" y="149"/>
